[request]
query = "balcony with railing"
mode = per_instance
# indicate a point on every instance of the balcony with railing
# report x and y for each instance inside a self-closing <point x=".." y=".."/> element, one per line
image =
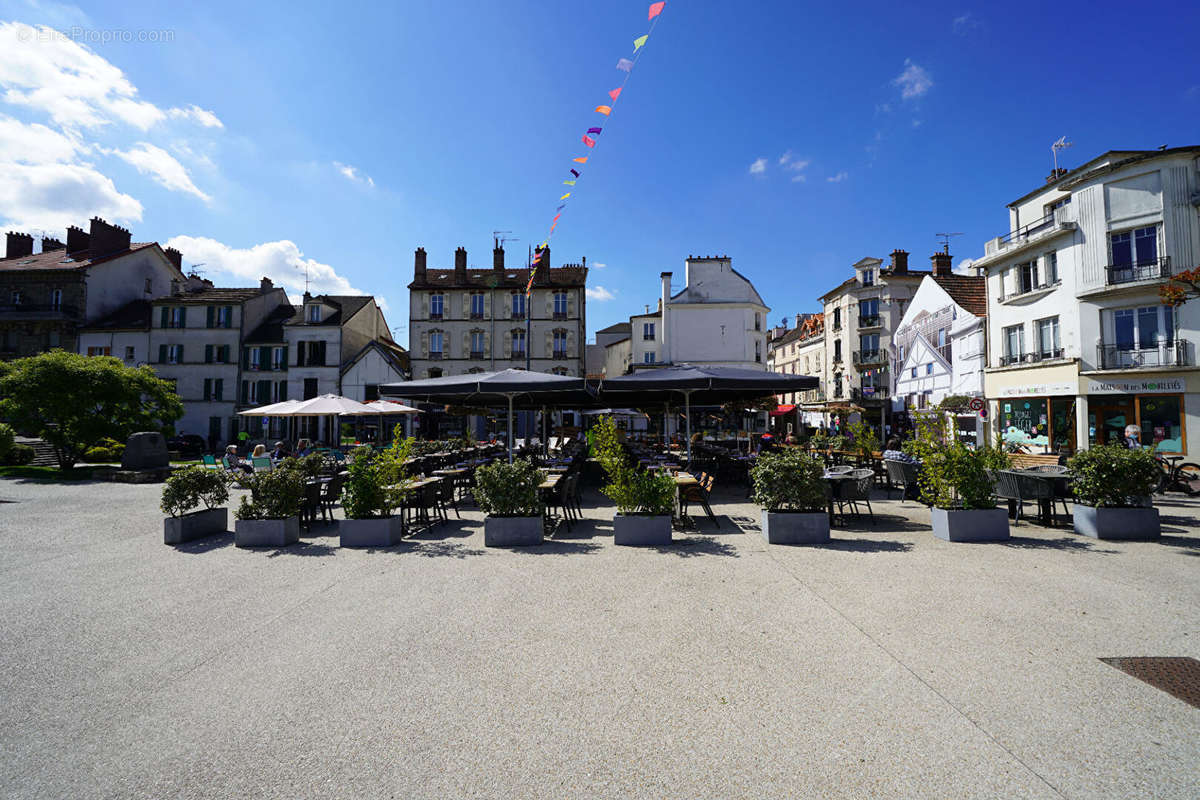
<point x="1154" y="269"/>
<point x="518" y="355"/>
<point x="869" y="358"/>
<point x="1177" y="353"/>
<point x="477" y="355"/>
<point x="870" y="393"/>
<point x="1059" y="219"/>
<point x="1035" y="357"/>
<point x="560" y="315"/>
<point x="435" y="355"/>
<point x="38" y="311"/>
<point x="869" y="321"/>
<point x="1029" y="289"/>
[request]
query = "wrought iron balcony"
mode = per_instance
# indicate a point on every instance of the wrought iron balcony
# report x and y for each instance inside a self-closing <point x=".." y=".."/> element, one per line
<point x="435" y="355"/>
<point x="867" y="358"/>
<point x="868" y="321"/>
<point x="518" y="355"/>
<point x="1026" y="230"/>
<point x="476" y="315"/>
<point x="436" y="317"/>
<point x="1149" y="270"/>
<point x="870" y="393"/>
<point x="1178" y="353"/>
<point x="1030" y="358"/>
<point x="560" y="315"/>
<point x="477" y="355"/>
<point x="560" y="355"/>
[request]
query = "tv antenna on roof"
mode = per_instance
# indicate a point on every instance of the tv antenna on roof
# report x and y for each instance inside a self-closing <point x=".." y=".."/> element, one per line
<point x="1061" y="144"/>
<point x="945" y="237"/>
<point x="500" y="237"/>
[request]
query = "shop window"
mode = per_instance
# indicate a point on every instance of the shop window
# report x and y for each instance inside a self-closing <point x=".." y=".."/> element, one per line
<point x="1161" y="418"/>
<point x="1025" y="421"/>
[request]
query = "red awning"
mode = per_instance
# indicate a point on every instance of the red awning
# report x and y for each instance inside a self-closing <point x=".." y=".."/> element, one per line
<point x="781" y="410"/>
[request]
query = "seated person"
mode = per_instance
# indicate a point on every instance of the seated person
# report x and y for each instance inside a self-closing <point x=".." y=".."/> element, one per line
<point x="894" y="453"/>
<point x="231" y="457"/>
<point x="279" y="453"/>
<point x="303" y="448"/>
<point x="260" y="451"/>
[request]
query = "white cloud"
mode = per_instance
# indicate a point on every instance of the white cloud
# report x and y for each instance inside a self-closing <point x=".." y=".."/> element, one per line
<point x="162" y="167"/>
<point x="599" y="294"/>
<point x="914" y="81"/>
<point x="796" y="166"/>
<point x="758" y="167"/>
<point x="52" y="196"/>
<point x="841" y="176"/>
<point x="35" y="144"/>
<point x="57" y="15"/>
<point x="599" y="265"/>
<point x="281" y="261"/>
<point x="785" y="158"/>
<point x="196" y="114"/>
<point x="916" y="123"/>
<point x="965" y="23"/>
<point x="353" y="174"/>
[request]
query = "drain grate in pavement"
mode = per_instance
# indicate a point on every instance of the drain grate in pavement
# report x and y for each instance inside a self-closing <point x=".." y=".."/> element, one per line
<point x="1179" y="677"/>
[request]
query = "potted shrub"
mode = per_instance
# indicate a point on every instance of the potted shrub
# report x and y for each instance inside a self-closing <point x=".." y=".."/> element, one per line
<point x="184" y="491"/>
<point x="508" y="495"/>
<point x="956" y="483"/>
<point x="645" y="500"/>
<point x="791" y="489"/>
<point x="270" y="516"/>
<point x="1112" y="493"/>
<point x="371" y="495"/>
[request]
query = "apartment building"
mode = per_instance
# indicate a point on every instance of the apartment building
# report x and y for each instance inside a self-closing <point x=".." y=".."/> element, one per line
<point x="468" y="319"/>
<point x="800" y="351"/>
<point x="1079" y="343"/>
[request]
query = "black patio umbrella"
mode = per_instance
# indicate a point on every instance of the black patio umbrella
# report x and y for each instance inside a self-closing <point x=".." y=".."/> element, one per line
<point x="514" y="387"/>
<point x="702" y="384"/>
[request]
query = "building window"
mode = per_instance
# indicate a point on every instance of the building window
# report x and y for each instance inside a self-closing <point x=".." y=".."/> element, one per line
<point x="560" y="344"/>
<point x="149" y="287"/>
<point x="648" y="357"/>
<point x="477" y="344"/>
<point x="278" y="358"/>
<point x="174" y="353"/>
<point x="941" y="338"/>
<point x="129" y="353"/>
<point x="223" y="354"/>
<point x="313" y="313"/>
<point x="1134" y="248"/>
<point x="56" y="299"/>
<point x="559" y="371"/>
<point x="208" y="388"/>
<point x="1139" y="328"/>
<point x="1027" y="277"/>
<point x="1051" y="260"/>
<point x="1014" y="344"/>
<point x="218" y="389"/>
<point x="837" y="319"/>
<point x="757" y="321"/>
<point x="99" y="351"/>
<point x="370" y="392"/>
<point x="16" y="298"/>
<point x="929" y="368"/>
<point x="310" y="388"/>
<point x="435" y="372"/>
<point x="837" y="350"/>
<point x="435" y="344"/>
<point x="868" y="345"/>
<point x="914" y="373"/>
<point x="1161" y="419"/>
<point x="174" y="317"/>
<point x="647" y="331"/>
<point x="758" y="350"/>
<point x="255" y="356"/>
<point x="868" y="277"/>
<point x="560" y="305"/>
<point x="437" y="304"/>
<point x="518" y="305"/>
<point x="1048" y="343"/>
<point x="476" y="305"/>
<point x="518" y="343"/>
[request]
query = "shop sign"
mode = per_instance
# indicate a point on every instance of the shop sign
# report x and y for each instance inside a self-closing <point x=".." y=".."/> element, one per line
<point x="1037" y="390"/>
<point x="1148" y="386"/>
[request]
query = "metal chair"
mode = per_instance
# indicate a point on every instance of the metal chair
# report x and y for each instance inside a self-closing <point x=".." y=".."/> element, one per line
<point x="698" y="494"/>
<point x="856" y="490"/>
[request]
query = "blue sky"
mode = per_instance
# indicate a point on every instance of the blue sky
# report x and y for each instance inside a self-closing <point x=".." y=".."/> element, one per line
<point x="265" y="138"/>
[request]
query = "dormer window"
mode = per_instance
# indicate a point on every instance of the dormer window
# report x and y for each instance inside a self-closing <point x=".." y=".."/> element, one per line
<point x="314" y="313"/>
<point x="868" y="277"/>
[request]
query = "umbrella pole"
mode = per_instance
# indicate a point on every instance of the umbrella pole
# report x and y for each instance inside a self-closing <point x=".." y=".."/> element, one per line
<point x="545" y="438"/>
<point x="687" y="410"/>
<point x="510" y="439"/>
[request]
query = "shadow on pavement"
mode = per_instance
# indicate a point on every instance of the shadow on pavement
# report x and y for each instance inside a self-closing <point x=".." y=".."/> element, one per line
<point x="1072" y="544"/>
<point x="697" y="546"/>
<point x="863" y="546"/>
<point x="440" y="531"/>
<point x="439" y="549"/>
<point x="304" y="549"/>
<point x="555" y="547"/>
<point x="1187" y="542"/>
<point x="205" y="545"/>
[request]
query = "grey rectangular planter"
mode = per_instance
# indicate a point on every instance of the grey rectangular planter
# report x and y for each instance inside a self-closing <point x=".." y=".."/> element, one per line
<point x="266" y="532"/>
<point x="795" y="527"/>
<point x="1117" y="523"/>
<point x="370" y="532"/>
<point x="512" y="531"/>
<point x="641" y="530"/>
<point x="196" y="525"/>
<point x="974" y="525"/>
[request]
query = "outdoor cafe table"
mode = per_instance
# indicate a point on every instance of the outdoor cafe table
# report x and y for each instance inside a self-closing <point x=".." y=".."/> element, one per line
<point x="418" y="484"/>
<point x="1056" y="480"/>
<point x="835" y="481"/>
<point x="683" y="480"/>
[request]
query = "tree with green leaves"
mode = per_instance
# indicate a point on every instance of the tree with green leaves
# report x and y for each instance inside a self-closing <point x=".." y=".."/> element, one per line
<point x="73" y="401"/>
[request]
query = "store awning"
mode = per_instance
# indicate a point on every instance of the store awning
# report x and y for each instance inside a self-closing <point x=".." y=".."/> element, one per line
<point x="781" y="410"/>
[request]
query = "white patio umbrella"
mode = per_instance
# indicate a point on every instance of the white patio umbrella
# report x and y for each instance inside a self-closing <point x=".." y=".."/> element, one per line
<point x="280" y="409"/>
<point x="329" y="405"/>
<point x="383" y="407"/>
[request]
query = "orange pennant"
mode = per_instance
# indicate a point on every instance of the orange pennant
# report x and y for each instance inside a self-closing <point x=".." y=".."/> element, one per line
<point x="580" y="160"/>
<point x="605" y="110"/>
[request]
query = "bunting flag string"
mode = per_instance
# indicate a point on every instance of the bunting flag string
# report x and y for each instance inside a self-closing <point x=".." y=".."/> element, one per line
<point x="590" y="139"/>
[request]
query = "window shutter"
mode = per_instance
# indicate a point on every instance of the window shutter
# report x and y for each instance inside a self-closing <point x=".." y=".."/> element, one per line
<point x="508" y="345"/>
<point x="228" y="316"/>
<point x="466" y="342"/>
<point x="549" y="293"/>
<point x="283" y="390"/>
<point x="321" y="354"/>
<point x="208" y="388"/>
<point x="570" y="342"/>
<point x="162" y="351"/>
<point x="208" y="353"/>
<point x="487" y="304"/>
<point x="183" y="316"/>
<point x="264" y="391"/>
<point x="246" y="358"/>
<point x="225" y="354"/>
<point x="210" y="314"/>
<point x="264" y="357"/>
<point x="179" y="354"/>
<point x="164" y="321"/>
<point x="549" y="351"/>
<point x="245" y="392"/>
<point x="219" y="389"/>
<point x="571" y="309"/>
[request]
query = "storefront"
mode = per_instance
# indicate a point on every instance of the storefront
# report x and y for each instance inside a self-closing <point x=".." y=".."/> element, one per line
<point x="1038" y="409"/>
<point x="1157" y="406"/>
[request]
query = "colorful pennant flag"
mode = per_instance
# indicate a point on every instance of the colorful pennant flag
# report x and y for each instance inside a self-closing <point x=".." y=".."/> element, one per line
<point x="589" y="141"/>
<point x="605" y="110"/>
<point x="656" y="9"/>
<point x="568" y="183"/>
<point x="565" y="196"/>
<point x="639" y="41"/>
<point x="594" y="130"/>
<point x="615" y="93"/>
<point x="625" y="65"/>
<point x="580" y="160"/>
<point x="575" y="172"/>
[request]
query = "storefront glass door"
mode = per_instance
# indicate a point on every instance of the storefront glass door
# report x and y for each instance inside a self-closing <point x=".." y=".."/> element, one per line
<point x="1107" y="420"/>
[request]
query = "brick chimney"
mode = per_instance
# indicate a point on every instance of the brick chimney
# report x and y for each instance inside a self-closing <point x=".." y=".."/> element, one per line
<point x="498" y="258"/>
<point x="77" y="239"/>
<point x="899" y="262"/>
<point x="175" y="257"/>
<point x="107" y="239"/>
<point x="265" y="285"/>
<point x="460" y="264"/>
<point x="799" y="320"/>
<point x="543" y="266"/>
<point x="18" y="245"/>
<point x="942" y="263"/>
<point x="50" y="245"/>
<point x="419" y="264"/>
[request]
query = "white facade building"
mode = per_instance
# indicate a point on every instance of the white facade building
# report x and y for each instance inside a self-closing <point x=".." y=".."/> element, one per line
<point x="1080" y="344"/>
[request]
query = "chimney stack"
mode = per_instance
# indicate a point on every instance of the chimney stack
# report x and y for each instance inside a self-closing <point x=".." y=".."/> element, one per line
<point x="542" y="272"/>
<point x="77" y="239"/>
<point x="798" y="320"/>
<point x="265" y="285"/>
<point x="105" y="239"/>
<point x="460" y="263"/>
<point x="899" y="262"/>
<point x="50" y="245"/>
<point x="174" y="256"/>
<point x="942" y="263"/>
<point x="18" y="245"/>
<point x="419" y="264"/>
<point x="498" y="258"/>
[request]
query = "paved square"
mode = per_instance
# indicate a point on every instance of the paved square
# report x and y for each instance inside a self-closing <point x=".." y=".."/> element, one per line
<point x="888" y="664"/>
